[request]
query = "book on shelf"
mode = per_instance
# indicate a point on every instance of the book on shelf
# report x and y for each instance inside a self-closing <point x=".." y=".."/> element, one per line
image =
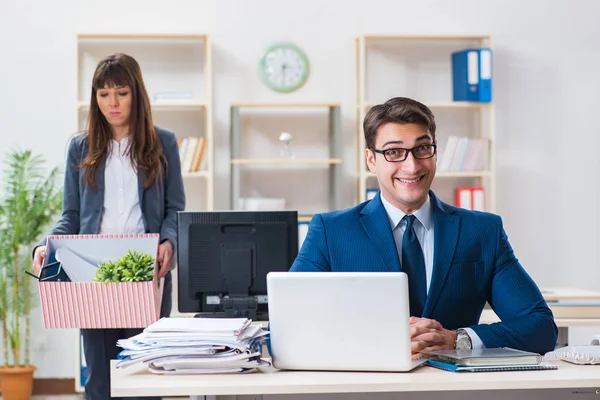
<point x="464" y="154"/>
<point x="192" y="152"/>
<point x="173" y="97"/>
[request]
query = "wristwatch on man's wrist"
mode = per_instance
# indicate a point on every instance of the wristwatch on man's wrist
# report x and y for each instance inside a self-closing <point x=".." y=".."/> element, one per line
<point x="463" y="340"/>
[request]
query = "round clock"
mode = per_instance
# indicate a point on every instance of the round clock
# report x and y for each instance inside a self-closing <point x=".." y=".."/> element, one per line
<point x="284" y="67"/>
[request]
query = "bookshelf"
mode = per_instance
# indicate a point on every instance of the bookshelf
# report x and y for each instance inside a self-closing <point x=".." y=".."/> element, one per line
<point x="421" y="69"/>
<point x="307" y="178"/>
<point x="177" y="71"/>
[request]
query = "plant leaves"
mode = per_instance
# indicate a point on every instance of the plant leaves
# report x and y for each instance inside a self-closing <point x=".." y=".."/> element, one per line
<point x="132" y="267"/>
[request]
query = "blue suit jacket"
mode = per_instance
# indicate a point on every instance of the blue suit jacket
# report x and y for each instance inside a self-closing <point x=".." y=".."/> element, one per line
<point x="473" y="264"/>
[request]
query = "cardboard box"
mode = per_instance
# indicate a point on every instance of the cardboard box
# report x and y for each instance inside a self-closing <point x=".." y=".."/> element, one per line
<point x="87" y="304"/>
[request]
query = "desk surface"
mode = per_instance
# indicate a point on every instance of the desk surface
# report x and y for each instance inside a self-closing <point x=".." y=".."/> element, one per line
<point x="137" y="381"/>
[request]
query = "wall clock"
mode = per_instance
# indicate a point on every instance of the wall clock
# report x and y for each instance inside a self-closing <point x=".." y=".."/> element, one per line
<point x="284" y="67"/>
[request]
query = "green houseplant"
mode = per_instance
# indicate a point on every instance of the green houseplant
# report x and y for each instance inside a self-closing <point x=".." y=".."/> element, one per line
<point x="30" y="200"/>
<point x="132" y="267"/>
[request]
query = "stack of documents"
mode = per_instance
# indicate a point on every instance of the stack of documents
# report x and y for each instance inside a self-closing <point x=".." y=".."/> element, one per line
<point x="196" y="346"/>
<point x="490" y="359"/>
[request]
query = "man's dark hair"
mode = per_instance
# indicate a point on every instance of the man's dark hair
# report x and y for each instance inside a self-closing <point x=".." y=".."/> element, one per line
<point x="399" y="110"/>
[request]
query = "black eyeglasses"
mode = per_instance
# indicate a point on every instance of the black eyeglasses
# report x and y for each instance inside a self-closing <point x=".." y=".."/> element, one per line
<point x="398" y="154"/>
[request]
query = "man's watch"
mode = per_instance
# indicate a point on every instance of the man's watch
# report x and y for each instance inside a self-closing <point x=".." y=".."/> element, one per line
<point x="463" y="340"/>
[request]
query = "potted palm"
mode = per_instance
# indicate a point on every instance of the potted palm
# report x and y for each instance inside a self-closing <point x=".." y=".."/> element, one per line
<point x="30" y="200"/>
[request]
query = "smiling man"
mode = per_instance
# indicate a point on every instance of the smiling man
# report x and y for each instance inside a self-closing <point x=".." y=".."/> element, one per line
<point x="456" y="259"/>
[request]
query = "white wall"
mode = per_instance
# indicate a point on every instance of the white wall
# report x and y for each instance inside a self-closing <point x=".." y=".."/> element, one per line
<point x="546" y="94"/>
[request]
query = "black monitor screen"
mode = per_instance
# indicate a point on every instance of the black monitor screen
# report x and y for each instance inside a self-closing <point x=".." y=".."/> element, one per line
<point x="224" y="257"/>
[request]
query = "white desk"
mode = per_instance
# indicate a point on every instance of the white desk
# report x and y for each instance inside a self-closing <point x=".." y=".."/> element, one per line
<point x="558" y="294"/>
<point x="137" y="381"/>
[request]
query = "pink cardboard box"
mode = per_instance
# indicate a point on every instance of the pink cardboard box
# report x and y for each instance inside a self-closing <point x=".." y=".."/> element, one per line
<point x="82" y="303"/>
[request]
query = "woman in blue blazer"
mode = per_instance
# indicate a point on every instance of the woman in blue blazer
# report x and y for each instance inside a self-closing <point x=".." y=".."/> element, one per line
<point x="123" y="175"/>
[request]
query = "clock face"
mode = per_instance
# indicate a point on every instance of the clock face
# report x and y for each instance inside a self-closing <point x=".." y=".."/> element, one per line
<point x="284" y="67"/>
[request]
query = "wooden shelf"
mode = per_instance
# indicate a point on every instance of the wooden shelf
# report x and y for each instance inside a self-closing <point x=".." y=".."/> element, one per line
<point x="171" y="63"/>
<point x="244" y="161"/>
<point x="195" y="174"/>
<point x="284" y="105"/>
<point x="481" y="115"/>
<point x="304" y="218"/>
<point x="140" y="36"/>
<point x="445" y="104"/>
<point x="284" y="161"/>
<point x="160" y="106"/>
<point x="432" y="38"/>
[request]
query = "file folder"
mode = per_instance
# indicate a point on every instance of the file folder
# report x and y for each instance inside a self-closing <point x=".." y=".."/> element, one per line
<point x="447" y="366"/>
<point x="463" y="198"/>
<point x="478" y="198"/>
<point x="470" y="198"/>
<point x="472" y="75"/>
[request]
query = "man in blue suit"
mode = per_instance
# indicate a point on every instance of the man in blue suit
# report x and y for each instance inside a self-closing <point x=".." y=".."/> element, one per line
<point x="456" y="259"/>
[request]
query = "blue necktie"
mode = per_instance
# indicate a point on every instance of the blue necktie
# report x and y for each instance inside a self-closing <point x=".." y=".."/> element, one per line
<point x="413" y="264"/>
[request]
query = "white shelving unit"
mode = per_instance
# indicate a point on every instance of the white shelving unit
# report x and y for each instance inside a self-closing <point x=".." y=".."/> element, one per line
<point x="420" y="67"/>
<point x="309" y="181"/>
<point x="170" y="63"/>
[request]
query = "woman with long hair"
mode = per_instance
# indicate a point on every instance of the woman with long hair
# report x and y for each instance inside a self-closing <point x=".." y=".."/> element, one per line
<point x="123" y="175"/>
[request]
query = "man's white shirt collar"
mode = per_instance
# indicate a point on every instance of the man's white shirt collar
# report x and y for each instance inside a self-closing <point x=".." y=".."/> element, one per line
<point x="423" y="214"/>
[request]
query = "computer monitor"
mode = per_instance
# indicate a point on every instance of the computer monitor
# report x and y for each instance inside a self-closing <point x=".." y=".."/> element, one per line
<point x="223" y="259"/>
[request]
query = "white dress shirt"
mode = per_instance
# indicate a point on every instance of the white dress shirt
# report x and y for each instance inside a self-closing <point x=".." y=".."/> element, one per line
<point x="424" y="230"/>
<point x="121" y="212"/>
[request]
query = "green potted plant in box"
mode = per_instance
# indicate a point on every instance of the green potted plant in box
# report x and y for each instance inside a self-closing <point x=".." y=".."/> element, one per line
<point x="132" y="267"/>
<point x="29" y="201"/>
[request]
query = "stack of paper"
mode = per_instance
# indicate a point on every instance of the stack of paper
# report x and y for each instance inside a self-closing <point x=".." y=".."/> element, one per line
<point x="196" y="346"/>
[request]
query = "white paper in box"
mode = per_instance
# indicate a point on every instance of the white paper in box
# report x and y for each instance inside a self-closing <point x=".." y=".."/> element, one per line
<point x="98" y="304"/>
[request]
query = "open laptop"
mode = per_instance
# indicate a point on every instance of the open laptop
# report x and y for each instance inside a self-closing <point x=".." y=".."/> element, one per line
<point x="340" y="321"/>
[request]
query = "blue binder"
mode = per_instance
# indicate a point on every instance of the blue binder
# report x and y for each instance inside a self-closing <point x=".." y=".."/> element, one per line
<point x="472" y="75"/>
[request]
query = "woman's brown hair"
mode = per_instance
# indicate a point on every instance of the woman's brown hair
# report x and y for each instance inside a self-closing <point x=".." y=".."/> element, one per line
<point x="144" y="149"/>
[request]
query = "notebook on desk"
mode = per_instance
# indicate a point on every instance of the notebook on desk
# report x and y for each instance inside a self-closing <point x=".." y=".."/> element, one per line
<point x="487" y="360"/>
<point x="340" y="321"/>
<point x="448" y="366"/>
<point x="487" y="356"/>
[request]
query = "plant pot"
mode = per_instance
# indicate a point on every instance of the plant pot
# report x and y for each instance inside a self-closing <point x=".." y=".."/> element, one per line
<point x="16" y="382"/>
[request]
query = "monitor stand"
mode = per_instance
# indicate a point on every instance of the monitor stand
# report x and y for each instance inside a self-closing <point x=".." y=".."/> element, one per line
<point x="238" y="263"/>
<point x="236" y="307"/>
<point x="254" y="315"/>
<point x="240" y="307"/>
